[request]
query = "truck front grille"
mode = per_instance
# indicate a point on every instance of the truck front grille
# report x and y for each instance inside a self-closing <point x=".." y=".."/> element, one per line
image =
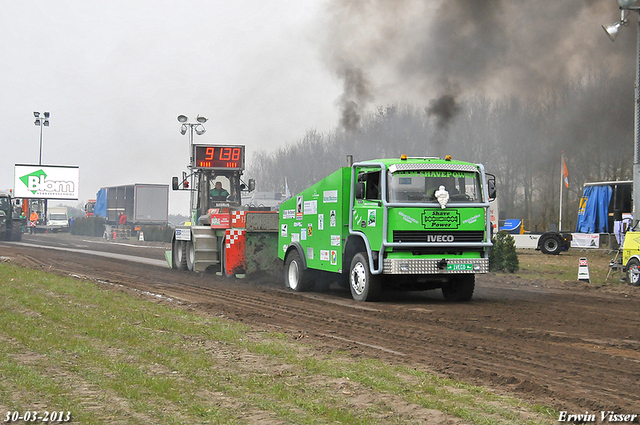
<point x="412" y="236"/>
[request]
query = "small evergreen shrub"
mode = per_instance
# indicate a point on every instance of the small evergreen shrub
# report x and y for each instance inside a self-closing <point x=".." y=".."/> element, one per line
<point x="87" y="226"/>
<point x="502" y="255"/>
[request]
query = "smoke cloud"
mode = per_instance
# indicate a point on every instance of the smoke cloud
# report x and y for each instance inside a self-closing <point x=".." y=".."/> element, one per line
<point x="493" y="48"/>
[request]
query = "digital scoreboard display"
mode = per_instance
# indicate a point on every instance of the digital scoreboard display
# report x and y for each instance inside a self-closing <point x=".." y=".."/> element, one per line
<point x="219" y="157"/>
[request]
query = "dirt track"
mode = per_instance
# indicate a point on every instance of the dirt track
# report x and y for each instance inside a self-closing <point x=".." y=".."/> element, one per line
<point x="574" y="349"/>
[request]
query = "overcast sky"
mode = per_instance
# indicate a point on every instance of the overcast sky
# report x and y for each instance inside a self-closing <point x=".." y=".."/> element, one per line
<point x="115" y="75"/>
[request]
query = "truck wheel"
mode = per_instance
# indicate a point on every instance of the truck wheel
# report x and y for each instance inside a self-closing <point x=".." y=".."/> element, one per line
<point x="460" y="289"/>
<point x="296" y="276"/>
<point x="633" y="272"/>
<point x="550" y="245"/>
<point x="190" y="255"/>
<point x="364" y="285"/>
<point x="16" y="231"/>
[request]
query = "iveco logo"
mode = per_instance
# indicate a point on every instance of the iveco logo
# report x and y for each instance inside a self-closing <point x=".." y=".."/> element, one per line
<point x="440" y="238"/>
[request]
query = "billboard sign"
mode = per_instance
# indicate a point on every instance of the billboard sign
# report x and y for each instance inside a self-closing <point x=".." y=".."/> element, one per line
<point x="46" y="181"/>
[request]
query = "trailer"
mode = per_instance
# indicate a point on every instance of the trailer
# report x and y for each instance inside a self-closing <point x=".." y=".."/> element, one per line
<point x="141" y="203"/>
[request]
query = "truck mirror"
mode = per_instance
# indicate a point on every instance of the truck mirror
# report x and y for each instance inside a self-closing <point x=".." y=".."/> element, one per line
<point x="360" y="190"/>
<point x="252" y="185"/>
<point x="491" y="186"/>
<point x="174" y="183"/>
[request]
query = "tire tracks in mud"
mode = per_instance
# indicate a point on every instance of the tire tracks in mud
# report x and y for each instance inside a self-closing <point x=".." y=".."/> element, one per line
<point x="545" y="348"/>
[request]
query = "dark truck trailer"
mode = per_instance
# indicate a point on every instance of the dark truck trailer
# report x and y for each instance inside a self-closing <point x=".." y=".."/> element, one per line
<point x="141" y="203"/>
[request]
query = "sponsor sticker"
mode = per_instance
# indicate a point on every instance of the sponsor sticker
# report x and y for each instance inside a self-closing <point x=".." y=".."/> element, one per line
<point x="330" y="196"/>
<point x="283" y="231"/>
<point x="332" y="218"/>
<point x="286" y="214"/>
<point x="309" y="253"/>
<point x="295" y="237"/>
<point x="335" y="240"/>
<point x="324" y="255"/>
<point x="311" y="207"/>
<point x="299" y="202"/>
<point x="371" y="218"/>
<point x="320" y="221"/>
<point x="303" y="234"/>
<point x="334" y="257"/>
<point x="309" y="229"/>
<point x="440" y="219"/>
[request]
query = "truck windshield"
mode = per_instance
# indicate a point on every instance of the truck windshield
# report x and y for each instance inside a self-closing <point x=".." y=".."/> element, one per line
<point x="58" y="216"/>
<point x="420" y="186"/>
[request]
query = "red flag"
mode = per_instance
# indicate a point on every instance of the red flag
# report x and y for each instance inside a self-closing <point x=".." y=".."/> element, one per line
<point x="565" y="173"/>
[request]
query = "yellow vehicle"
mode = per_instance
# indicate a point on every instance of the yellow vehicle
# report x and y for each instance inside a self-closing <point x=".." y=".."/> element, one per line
<point x="631" y="257"/>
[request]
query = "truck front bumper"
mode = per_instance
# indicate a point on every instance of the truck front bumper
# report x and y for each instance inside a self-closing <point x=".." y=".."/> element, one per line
<point x="435" y="266"/>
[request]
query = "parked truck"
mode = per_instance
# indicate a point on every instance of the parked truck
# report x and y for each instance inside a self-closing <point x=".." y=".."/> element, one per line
<point x="141" y="203"/>
<point x="416" y="223"/>
<point x="10" y="221"/>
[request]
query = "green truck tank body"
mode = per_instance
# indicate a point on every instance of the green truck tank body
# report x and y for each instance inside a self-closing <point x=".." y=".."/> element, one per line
<point x="386" y="210"/>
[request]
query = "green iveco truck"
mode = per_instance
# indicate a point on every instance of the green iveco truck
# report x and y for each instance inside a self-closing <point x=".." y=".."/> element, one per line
<point x="407" y="223"/>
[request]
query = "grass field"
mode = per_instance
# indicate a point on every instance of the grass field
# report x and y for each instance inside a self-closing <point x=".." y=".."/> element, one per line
<point x="109" y="357"/>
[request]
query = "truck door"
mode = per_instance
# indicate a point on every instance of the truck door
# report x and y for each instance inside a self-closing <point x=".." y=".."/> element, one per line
<point x="367" y="206"/>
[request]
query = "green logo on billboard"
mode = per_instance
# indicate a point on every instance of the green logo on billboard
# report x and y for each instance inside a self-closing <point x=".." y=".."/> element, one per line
<point x="440" y="219"/>
<point x="32" y="180"/>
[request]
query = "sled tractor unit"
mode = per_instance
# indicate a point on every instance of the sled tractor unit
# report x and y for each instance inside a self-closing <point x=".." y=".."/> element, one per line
<point x="10" y="221"/>
<point x="222" y="235"/>
<point x="407" y="223"/>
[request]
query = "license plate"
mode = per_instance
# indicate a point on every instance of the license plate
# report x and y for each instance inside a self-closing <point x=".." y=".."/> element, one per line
<point x="459" y="266"/>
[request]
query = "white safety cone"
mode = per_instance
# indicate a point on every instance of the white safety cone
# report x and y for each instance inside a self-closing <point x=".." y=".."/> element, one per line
<point x="140" y="236"/>
<point x="583" y="270"/>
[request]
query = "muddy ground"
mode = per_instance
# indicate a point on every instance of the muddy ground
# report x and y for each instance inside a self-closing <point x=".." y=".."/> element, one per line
<point x="566" y="344"/>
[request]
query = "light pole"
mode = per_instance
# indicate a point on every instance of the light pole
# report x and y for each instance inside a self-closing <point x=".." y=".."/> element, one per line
<point x="198" y="127"/>
<point x="41" y="121"/>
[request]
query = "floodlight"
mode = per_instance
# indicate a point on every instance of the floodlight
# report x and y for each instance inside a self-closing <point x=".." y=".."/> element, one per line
<point x="612" y="30"/>
<point x="200" y="130"/>
<point x="626" y="3"/>
<point x="183" y="129"/>
<point x="201" y="120"/>
<point x="37" y="122"/>
<point x="182" y="118"/>
<point x="46" y="123"/>
<point x="36" y="114"/>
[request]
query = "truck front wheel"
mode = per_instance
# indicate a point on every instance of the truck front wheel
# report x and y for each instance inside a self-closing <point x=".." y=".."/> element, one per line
<point x="633" y="272"/>
<point x="364" y="285"/>
<point x="460" y="288"/>
<point x="296" y="276"/>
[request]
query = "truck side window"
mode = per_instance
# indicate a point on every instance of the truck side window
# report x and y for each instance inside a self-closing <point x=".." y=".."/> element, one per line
<point x="373" y="185"/>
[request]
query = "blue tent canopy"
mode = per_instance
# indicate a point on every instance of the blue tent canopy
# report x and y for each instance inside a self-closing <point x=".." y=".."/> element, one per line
<point x="594" y="209"/>
<point x="101" y="204"/>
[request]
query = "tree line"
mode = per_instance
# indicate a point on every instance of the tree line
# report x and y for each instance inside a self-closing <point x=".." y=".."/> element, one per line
<point x="519" y="140"/>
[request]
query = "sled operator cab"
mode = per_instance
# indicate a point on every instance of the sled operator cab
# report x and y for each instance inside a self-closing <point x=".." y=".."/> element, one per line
<point x="215" y="179"/>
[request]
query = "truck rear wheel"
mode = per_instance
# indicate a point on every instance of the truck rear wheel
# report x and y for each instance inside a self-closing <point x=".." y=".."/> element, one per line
<point x="550" y="245"/>
<point x="460" y="288"/>
<point x="633" y="272"/>
<point x="364" y="285"/>
<point x="296" y="276"/>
